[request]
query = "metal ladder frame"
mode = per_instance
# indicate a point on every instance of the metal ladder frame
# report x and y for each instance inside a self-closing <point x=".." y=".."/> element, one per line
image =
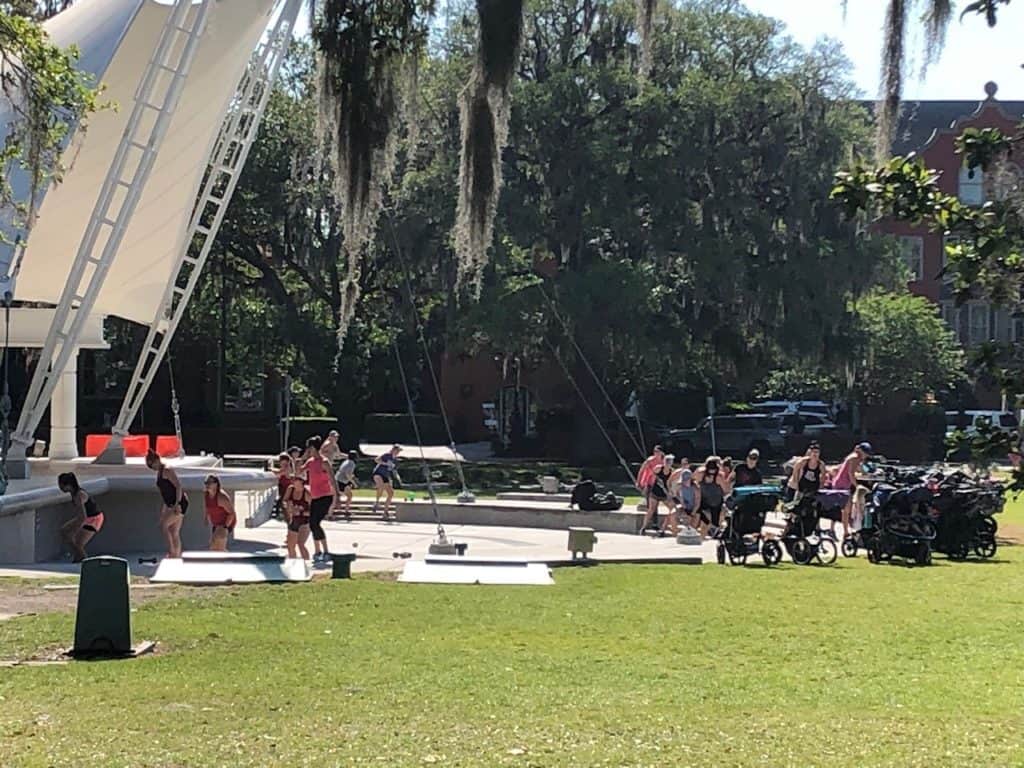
<point x="174" y="55"/>
<point x="225" y="165"/>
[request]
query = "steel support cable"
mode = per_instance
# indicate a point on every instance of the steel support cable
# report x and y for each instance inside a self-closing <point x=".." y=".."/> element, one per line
<point x="593" y="374"/>
<point x="597" y="420"/>
<point x="416" y="431"/>
<point x="426" y="349"/>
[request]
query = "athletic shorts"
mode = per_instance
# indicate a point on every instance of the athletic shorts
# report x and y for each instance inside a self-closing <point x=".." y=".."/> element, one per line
<point x="297" y="522"/>
<point x="93" y="523"/>
<point x="384" y="478"/>
<point x="659" y="493"/>
<point x="342" y="487"/>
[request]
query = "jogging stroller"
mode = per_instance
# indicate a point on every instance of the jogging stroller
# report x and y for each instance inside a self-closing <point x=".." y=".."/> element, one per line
<point x="586" y="496"/>
<point x="803" y="537"/>
<point x="963" y="514"/>
<point x="897" y="525"/>
<point x="741" y="535"/>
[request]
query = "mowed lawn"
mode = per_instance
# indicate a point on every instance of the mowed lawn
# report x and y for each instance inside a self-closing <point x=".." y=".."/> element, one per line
<point x="852" y="665"/>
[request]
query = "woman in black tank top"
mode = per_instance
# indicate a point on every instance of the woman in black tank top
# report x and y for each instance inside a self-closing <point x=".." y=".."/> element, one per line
<point x="174" y="503"/>
<point x="88" y="519"/>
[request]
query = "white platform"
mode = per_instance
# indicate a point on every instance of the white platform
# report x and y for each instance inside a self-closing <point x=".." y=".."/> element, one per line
<point x="230" y="568"/>
<point x="440" y="569"/>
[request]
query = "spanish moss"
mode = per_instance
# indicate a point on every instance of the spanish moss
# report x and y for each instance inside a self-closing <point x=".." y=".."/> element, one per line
<point x="893" y="50"/>
<point x="484" y="110"/>
<point x="936" y="22"/>
<point x="365" y="48"/>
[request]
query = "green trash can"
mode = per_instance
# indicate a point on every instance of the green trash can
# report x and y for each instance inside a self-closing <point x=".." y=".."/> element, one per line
<point x="103" y="625"/>
<point x="341" y="565"/>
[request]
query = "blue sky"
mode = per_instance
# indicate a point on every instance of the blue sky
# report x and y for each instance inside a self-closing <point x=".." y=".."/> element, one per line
<point x="974" y="54"/>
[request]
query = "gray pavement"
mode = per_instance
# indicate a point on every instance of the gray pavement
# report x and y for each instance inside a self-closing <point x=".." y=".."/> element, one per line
<point x="375" y="542"/>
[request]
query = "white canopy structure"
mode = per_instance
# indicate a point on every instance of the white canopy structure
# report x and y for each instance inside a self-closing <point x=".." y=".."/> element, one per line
<point x="127" y="230"/>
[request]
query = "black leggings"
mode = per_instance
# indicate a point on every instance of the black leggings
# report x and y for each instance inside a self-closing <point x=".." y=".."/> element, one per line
<point x="318" y="510"/>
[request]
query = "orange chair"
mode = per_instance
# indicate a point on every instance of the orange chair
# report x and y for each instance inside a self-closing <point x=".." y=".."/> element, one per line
<point x="168" y="446"/>
<point x="94" y="445"/>
<point x="135" y="445"/>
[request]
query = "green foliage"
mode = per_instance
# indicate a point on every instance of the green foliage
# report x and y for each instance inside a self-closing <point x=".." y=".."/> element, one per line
<point x="47" y="97"/>
<point x="799" y="382"/>
<point x="904" y="347"/>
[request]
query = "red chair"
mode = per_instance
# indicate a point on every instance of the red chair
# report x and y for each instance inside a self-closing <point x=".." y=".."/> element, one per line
<point x="168" y="446"/>
<point x="94" y="445"/>
<point x="135" y="445"/>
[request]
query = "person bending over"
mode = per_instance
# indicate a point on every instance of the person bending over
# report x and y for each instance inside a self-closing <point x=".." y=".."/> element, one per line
<point x="175" y="503"/>
<point x="88" y="519"/>
<point x="220" y="513"/>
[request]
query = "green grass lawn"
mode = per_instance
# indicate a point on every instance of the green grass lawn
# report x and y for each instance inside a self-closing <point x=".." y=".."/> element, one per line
<point x="853" y="665"/>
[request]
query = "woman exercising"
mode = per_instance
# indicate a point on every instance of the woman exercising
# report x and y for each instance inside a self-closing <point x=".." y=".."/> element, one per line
<point x="86" y="523"/>
<point x="322" y="488"/>
<point x="175" y="502"/>
<point x="384" y="474"/>
<point x="297" y="501"/>
<point x="220" y="513"/>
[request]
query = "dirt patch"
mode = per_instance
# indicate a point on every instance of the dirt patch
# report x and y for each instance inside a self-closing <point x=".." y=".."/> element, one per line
<point x="1010" y="533"/>
<point x="27" y="597"/>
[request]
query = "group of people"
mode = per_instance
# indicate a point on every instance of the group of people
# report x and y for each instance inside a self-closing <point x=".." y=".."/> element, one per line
<point x="309" y="488"/>
<point x="697" y="495"/>
<point x="694" y="495"/>
<point x="88" y="519"/>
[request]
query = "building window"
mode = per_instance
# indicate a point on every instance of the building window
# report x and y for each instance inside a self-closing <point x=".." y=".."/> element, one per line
<point x="912" y="252"/>
<point x="978" y="325"/>
<point x="971" y="186"/>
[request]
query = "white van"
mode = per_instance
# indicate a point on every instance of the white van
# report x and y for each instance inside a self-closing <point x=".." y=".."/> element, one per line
<point x="968" y="421"/>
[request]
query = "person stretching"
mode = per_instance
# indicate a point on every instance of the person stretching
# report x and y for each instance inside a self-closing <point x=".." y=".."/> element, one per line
<point x="88" y="519"/>
<point x="297" y="501"/>
<point x="384" y="474"/>
<point x="220" y="513"/>
<point x="175" y="502"/>
<point x="324" y="494"/>
<point x="345" y="480"/>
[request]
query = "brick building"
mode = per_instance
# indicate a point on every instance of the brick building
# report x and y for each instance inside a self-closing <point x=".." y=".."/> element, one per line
<point x="929" y="128"/>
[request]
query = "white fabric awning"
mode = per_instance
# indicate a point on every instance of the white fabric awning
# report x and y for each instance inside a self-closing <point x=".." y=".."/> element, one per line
<point x="125" y="33"/>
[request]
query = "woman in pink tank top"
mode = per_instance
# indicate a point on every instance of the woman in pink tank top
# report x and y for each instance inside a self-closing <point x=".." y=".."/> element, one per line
<point x="320" y="480"/>
<point x="846" y="478"/>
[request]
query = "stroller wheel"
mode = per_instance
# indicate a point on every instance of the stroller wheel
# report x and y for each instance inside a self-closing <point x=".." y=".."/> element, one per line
<point x="802" y="552"/>
<point x="923" y="556"/>
<point x="827" y="552"/>
<point x="771" y="552"/>
<point x="986" y="547"/>
<point x="720" y="554"/>
<point x="739" y="558"/>
<point x="988" y="525"/>
<point x="959" y="552"/>
<point x="849" y="547"/>
<point x="874" y="552"/>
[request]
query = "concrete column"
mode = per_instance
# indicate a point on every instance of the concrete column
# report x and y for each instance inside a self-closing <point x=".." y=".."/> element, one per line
<point x="64" y="413"/>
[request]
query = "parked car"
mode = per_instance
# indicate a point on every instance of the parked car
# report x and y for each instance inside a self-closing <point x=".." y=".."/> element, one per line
<point x="817" y="407"/>
<point x="967" y="421"/>
<point x="805" y="423"/>
<point x="734" y="435"/>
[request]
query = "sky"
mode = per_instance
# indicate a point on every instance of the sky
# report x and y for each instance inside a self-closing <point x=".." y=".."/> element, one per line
<point x="974" y="53"/>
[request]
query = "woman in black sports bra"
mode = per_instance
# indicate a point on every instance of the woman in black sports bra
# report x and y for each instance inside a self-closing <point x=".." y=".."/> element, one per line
<point x="88" y="519"/>
<point x="175" y="503"/>
<point x="297" y="501"/>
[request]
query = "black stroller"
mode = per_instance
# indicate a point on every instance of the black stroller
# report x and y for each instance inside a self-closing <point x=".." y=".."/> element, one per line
<point x="963" y="514"/>
<point x="896" y="524"/>
<point x="803" y="538"/>
<point x="741" y="535"/>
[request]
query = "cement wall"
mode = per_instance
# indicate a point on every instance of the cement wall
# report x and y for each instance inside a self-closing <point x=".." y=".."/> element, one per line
<point x="524" y="515"/>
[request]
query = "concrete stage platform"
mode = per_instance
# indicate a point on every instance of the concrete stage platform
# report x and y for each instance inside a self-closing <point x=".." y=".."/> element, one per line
<point x="375" y="542"/>
<point x="33" y="510"/>
<point x="520" y="514"/>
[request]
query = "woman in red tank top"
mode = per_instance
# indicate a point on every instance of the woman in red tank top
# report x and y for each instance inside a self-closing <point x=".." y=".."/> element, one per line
<point x="220" y="513"/>
<point x="297" y="501"/>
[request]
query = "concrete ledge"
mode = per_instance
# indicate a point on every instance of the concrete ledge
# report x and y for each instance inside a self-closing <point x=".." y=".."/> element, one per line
<point x="519" y="515"/>
<point x="562" y="498"/>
